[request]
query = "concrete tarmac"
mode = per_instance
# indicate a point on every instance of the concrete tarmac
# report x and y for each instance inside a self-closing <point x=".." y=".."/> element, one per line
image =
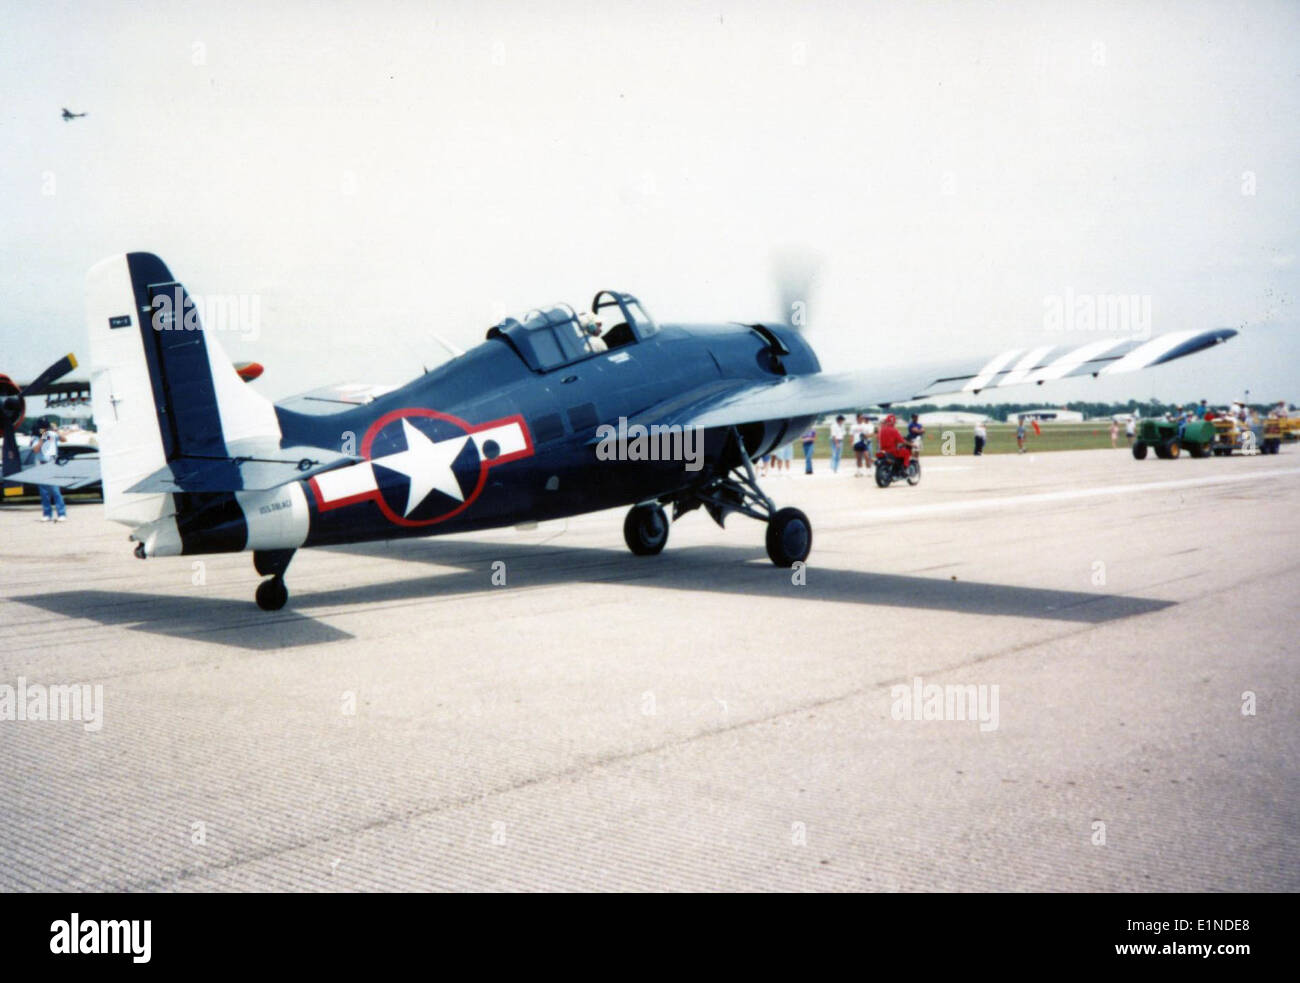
<point x="700" y="720"/>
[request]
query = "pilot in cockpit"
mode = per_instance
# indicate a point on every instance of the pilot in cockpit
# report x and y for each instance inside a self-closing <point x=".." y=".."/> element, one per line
<point x="590" y="325"/>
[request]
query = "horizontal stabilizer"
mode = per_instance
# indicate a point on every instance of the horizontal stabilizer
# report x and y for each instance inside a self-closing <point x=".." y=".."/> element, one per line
<point x="252" y="466"/>
<point x="70" y="473"/>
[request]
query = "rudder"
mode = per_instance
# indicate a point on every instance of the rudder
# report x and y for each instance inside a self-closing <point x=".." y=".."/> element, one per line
<point x="162" y="388"/>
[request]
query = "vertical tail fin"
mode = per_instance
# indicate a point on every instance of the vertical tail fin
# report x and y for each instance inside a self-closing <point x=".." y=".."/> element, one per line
<point x="162" y="387"/>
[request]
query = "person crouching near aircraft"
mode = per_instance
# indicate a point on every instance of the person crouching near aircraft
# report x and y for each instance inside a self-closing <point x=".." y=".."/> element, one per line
<point x="46" y="446"/>
<point x="892" y="442"/>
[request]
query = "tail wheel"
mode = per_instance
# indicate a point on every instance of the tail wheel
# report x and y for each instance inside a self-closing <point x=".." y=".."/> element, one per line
<point x="1140" y="451"/>
<point x="272" y="594"/>
<point x="645" y="530"/>
<point x="789" y="537"/>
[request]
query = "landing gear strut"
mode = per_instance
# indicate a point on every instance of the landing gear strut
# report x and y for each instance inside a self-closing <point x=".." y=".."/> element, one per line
<point x="789" y="533"/>
<point x="272" y="593"/>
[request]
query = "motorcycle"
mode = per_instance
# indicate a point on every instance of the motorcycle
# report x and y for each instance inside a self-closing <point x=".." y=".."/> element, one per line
<point x="890" y="469"/>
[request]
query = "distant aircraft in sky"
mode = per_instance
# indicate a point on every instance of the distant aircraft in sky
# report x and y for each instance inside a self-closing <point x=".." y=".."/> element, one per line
<point x="68" y="114"/>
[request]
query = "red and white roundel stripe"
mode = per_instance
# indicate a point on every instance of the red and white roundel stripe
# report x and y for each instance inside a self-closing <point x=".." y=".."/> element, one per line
<point x="427" y="465"/>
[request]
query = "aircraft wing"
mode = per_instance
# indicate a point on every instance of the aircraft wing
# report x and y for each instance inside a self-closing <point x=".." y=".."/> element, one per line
<point x="808" y="395"/>
<point x="69" y="473"/>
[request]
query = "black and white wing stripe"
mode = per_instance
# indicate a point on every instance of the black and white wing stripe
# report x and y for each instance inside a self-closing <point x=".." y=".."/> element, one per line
<point x="1109" y="355"/>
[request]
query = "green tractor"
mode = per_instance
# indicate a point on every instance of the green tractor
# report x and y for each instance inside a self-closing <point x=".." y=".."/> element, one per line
<point x="1161" y="435"/>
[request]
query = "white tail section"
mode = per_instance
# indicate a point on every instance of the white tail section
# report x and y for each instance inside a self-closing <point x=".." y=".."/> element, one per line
<point x="161" y="386"/>
<point x="130" y="445"/>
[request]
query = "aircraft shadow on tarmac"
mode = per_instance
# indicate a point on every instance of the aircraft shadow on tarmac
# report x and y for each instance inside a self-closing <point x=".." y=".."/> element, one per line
<point x="706" y="569"/>
<point x="717" y="569"/>
<point x="236" y="623"/>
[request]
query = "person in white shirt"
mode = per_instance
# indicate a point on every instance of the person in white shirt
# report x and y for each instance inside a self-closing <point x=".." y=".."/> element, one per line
<point x="46" y="446"/>
<point x="861" y="444"/>
<point x="981" y="435"/>
<point x="837" y="442"/>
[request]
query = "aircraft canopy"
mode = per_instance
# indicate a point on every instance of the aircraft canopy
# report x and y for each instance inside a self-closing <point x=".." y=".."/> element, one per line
<point x="552" y="337"/>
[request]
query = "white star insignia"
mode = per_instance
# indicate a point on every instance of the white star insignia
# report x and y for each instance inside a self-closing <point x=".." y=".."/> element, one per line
<point x="427" y="466"/>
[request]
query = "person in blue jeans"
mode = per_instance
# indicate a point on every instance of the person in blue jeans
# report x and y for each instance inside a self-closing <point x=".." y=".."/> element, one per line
<point x="809" y="440"/>
<point x="837" y="443"/>
<point x="46" y="445"/>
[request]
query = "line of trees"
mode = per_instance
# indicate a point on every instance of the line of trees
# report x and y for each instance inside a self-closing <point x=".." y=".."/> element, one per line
<point x="1090" y="410"/>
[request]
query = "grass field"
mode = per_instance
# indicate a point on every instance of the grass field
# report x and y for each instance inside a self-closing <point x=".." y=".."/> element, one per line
<point x="1002" y="439"/>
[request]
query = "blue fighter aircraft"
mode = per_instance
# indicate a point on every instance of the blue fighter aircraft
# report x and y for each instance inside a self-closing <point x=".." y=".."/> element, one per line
<point x="540" y="421"/>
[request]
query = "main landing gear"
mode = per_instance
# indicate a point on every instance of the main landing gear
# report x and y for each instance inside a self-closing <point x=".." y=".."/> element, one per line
<point x="789" y="533"/>
<point x="645" y="530"/>
<point x="272" y="593"/>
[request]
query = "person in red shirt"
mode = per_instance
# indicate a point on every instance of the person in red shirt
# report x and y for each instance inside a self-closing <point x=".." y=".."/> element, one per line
<point x="892" y="442"/>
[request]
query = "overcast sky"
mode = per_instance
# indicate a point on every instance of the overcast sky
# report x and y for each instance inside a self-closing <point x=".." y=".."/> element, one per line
<point x="376" y="172"/>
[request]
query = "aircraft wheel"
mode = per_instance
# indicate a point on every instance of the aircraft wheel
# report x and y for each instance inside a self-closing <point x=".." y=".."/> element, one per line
<point x="1140" y="451"/>
<point x="645" y="530"/>
<point x="272" y="594"/>
<point x="789" y="537"/>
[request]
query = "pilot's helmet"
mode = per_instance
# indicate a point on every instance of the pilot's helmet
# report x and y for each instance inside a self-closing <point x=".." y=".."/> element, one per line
<point x="589" y="322"/>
